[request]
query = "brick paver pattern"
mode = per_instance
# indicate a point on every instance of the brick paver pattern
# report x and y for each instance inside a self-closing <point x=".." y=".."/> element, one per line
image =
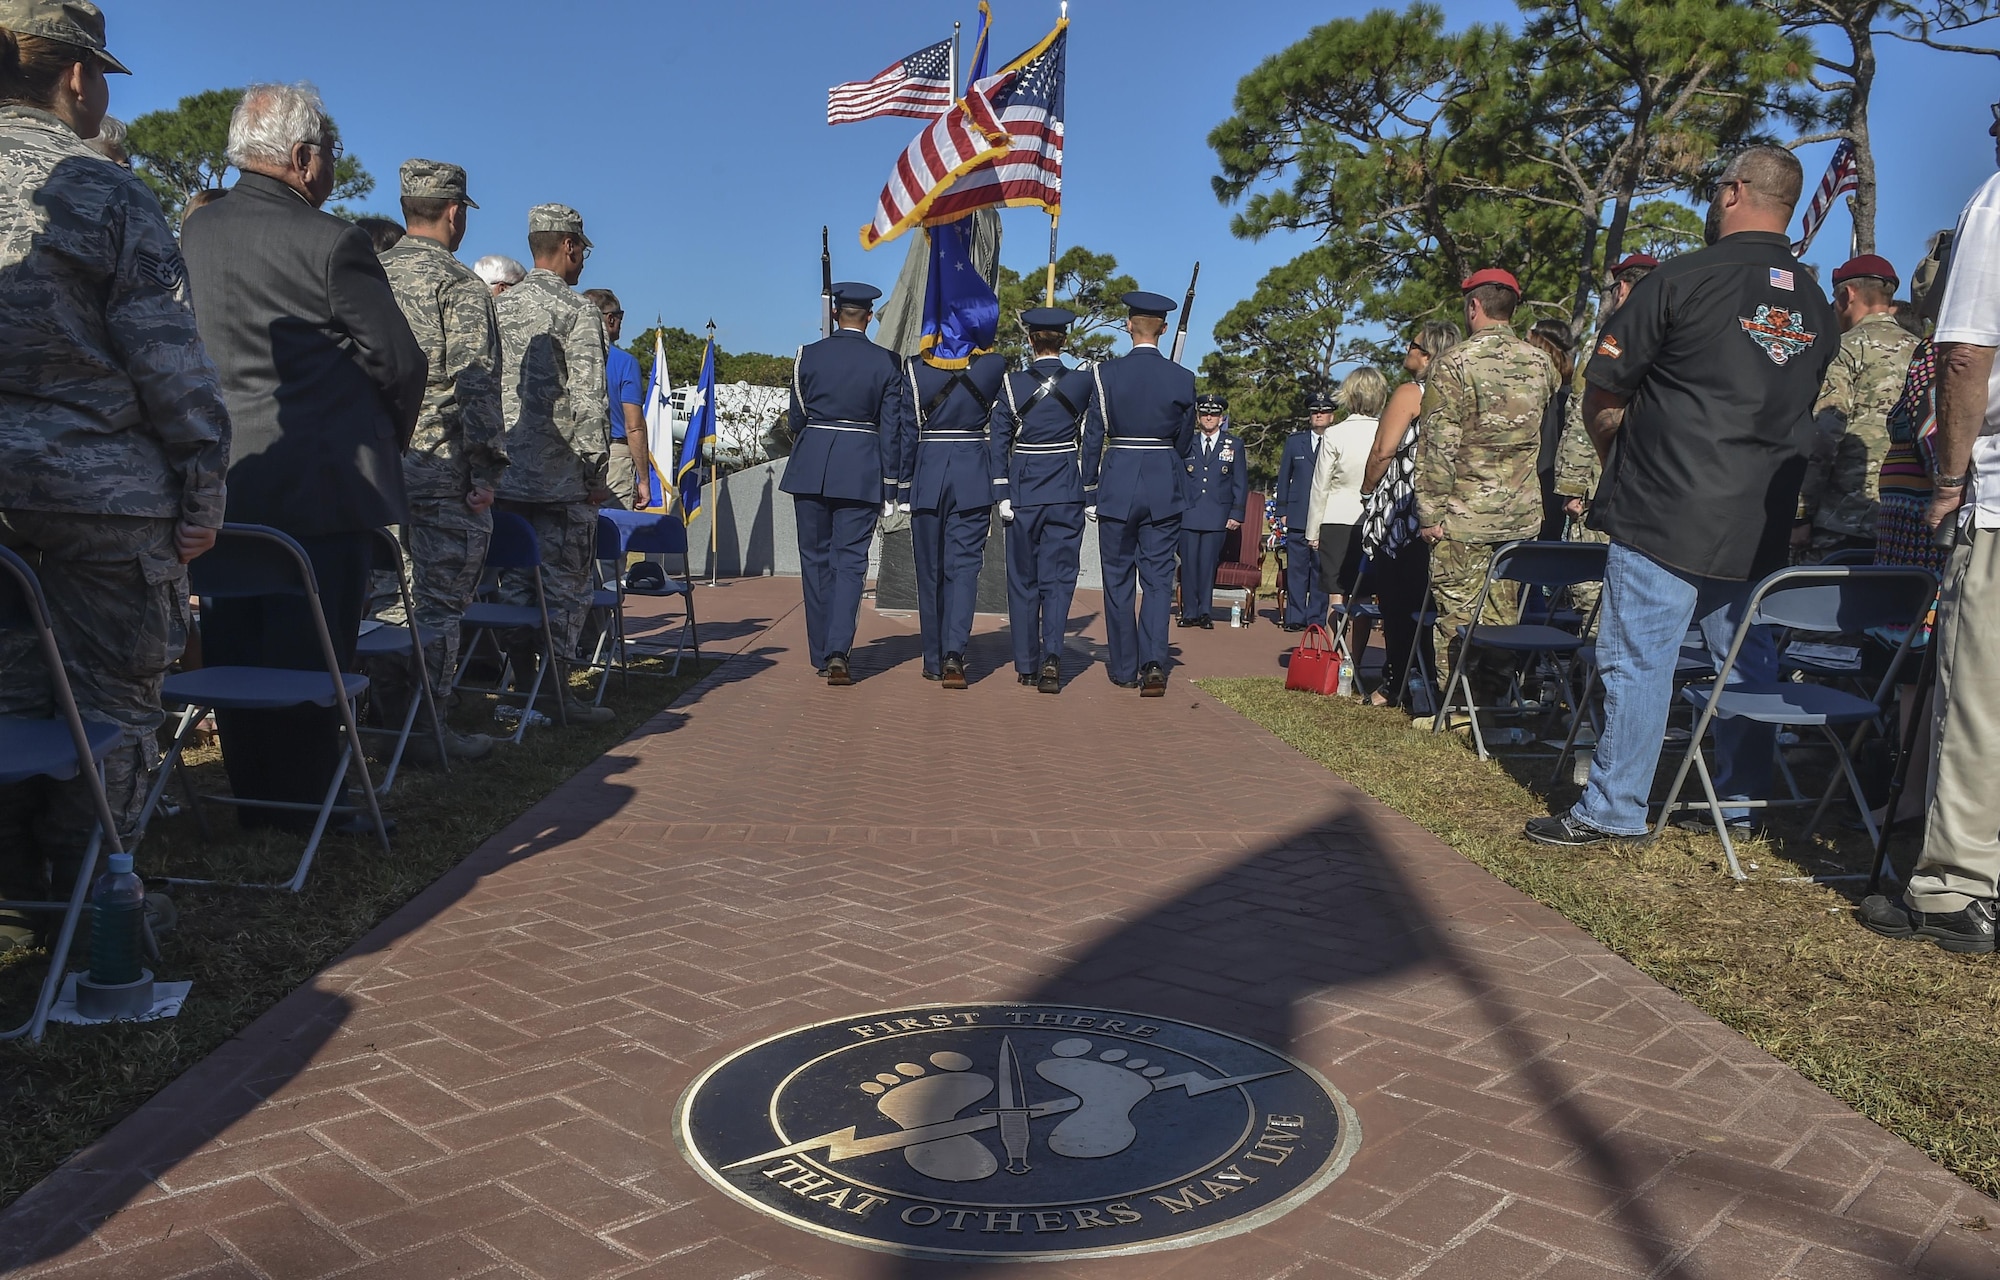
<point x="485" y="1085"/>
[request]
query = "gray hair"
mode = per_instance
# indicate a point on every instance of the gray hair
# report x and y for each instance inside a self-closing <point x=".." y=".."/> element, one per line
<point x="1364" y="392"/>
<point x="498" y="268"/>
<point x="274" y="118"/>
<point x="110" y="141"/>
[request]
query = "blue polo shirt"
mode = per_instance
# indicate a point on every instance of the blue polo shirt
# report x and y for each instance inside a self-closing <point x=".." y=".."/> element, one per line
<point x="621" y="376"/>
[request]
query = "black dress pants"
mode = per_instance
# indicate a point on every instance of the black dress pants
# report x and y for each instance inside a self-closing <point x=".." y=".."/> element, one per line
<point x="288" y="754"/>
<point x="1400" y="584"/>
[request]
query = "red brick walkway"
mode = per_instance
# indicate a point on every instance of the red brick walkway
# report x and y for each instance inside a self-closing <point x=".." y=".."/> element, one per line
<point x="485" y="1085"/>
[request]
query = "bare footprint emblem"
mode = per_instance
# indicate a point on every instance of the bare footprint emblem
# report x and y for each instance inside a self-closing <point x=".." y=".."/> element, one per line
<point x="914" y="1098"/>
<point x="1106" y="1093"/>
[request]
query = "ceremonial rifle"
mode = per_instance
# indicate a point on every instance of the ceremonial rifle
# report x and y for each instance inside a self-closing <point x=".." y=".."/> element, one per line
<point x="1187" y="305"/>
<point x="825" y="287"/>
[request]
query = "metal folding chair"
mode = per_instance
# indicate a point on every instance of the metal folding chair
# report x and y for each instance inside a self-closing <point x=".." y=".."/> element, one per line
<point x="391" y="640"/>
<point x="1839" y="598"/>
<point x="59" y="749"/>
<point x="253" y="560"/>
<point x="514" y="546"/>
<point x="1550" y="565"/>
<point x="621" y="534"/>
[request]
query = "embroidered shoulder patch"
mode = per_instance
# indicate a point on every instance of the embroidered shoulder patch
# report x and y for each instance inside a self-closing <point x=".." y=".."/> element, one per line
<point x="1777" y="331"/>
<point x="1608" y="346"/>
<point x="161" y="267"/>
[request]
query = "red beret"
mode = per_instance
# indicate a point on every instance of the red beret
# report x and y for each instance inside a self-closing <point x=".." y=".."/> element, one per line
<point x="1867" y="264"/>
<point x="1643" y="261"/>
<point x="1491" y="275"/>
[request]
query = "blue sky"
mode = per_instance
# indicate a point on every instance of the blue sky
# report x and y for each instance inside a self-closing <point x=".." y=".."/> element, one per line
<point x="693" y="136"/>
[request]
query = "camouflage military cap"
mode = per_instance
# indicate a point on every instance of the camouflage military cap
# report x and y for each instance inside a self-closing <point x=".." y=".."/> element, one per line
<point x="557" y="217"/>
<point x="76" y="22"/>
<point x="435" y="180"/>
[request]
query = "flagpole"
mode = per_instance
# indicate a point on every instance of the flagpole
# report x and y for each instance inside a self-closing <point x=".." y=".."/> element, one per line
<point x="714" y="478"/>
<point x="1049" y="298"/>
<point x="954" y="62"/>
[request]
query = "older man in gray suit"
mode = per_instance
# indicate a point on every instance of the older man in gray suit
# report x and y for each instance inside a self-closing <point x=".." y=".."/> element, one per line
<point x="324" y="381"/>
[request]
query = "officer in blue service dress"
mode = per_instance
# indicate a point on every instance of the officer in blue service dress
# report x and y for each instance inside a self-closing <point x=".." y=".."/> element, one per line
<point x="849" y="423"/>
<point x="1305" y="594"/>
<point x="1144" y="417"/>
<point x="1037" y="426"/>
<point x="1218" y="488"/>
<point x="949" y="494"/>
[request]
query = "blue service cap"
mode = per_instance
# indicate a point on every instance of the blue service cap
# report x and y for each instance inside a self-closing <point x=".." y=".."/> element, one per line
<point x="1211" y="402"/>
<point x="852" y="293"/>
<point x="1148" y="304"/>
<point x="1322" y="400"/>
<point x="1048" y="317"/>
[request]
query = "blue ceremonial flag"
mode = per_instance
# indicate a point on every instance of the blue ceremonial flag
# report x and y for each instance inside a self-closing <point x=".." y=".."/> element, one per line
<point x="701" y="426"/>
<point x="976" y="71"/>
<point x="961" y="311"/>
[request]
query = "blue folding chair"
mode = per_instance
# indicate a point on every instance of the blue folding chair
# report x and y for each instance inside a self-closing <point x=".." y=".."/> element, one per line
<point x="621" y="534"/>
<point x="514" y="546"/>
<point x="1551" y="566"/>
<point x="251" y="560"/>
<point x="391" y="640"/>
<point x="59" y="749"/>
<point x="1838" y="598"/>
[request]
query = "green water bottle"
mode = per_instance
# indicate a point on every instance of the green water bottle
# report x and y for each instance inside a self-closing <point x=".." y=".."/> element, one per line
<point x="118" y="909"/>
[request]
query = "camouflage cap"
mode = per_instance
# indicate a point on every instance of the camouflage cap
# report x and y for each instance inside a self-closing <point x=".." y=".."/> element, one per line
<point x="76" y="22"/>
<point x="435" y="180"/>
<point x="557" y="217"/>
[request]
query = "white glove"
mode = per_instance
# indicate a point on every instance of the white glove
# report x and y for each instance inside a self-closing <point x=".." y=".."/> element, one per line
<point x="904" y="508"/>
<point x="1090" y="513"/>
<point x="1006" y="511"/>
<point x="888" y="509"/>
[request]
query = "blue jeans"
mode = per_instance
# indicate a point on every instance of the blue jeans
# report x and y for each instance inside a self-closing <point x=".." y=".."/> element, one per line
<point x="1648" y="608"/>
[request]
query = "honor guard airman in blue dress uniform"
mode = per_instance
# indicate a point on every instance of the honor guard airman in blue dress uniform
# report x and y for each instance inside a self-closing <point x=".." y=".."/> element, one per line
<point x="1218" y="488"/>
<point x="1305" y="594"/>
<point x="1037" y="425"/>
<point x="949" y="476"/>
<point x="849" y="424"/>
<point x="1144" y="414"/>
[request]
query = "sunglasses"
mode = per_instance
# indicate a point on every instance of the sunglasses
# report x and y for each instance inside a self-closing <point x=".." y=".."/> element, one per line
<point x="1419" y="348"/>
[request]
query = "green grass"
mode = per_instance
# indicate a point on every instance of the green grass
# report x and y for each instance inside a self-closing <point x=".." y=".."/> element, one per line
<point x="1903" y="1032"/>
<point x="247" y="949"/>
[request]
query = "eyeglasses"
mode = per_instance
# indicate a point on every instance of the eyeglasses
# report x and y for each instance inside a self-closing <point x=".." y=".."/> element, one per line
<point x="1715" y="188"/>
<point x="614" y="315"/>
<point x="1419" y="348"/>
<point x="334" y="151"/>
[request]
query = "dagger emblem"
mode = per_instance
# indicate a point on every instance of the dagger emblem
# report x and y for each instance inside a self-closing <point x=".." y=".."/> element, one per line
<point x="1013" y="1111"/>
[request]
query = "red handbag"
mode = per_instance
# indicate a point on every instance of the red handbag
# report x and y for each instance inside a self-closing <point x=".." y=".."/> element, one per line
<point x="1315" y="664"/>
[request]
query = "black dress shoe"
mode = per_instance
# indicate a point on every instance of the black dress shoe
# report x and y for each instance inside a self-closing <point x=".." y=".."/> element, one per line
<point x="1189" y="622"/>
<point x="1051" y="680"/>
<point x="954" y="671"/>
<point x="359" y="824"/>
<point x="1208" y="624"/>
<point x="836" y="670"/>
<point x="1152" y="681"/>
<point x="933" y="676"/>
<point x="1295" y="626"/>
<point x="820" y="672"/>
<point x="1024" y="677"/>
<point x="1968" y="931"/>
<point x="1126" y="684"/>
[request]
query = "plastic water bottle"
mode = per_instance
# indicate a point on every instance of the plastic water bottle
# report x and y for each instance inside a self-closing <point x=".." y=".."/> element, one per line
<point x="1345" y="688"/>
<point x="1235" y="615"/>
<point x="118" y="909"/>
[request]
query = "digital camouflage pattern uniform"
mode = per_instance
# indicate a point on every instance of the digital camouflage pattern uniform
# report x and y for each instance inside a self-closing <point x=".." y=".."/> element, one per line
<point x="1477" y="447"/>
<point x="1842" y="487"/>
<point x="457" y="446"/>
<point x="558" y="442"/>
<point x="112" y="429"/>
<point x="1578" y="470"/>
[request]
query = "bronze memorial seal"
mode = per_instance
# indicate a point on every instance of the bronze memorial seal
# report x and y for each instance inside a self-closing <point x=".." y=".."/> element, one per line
<point x="1015" y="1131"/>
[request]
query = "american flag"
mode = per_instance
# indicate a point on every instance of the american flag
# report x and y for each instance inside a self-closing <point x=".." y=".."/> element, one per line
<point x="960" y="139"/>
<point x="1031" y="108"/>
<point x="1843" y="174"/>
<point x="919" y="85"/>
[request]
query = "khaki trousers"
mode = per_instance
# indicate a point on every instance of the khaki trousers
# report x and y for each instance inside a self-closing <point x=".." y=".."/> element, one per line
<point x="622" y="478"/>
<point x="1961" y="858"/>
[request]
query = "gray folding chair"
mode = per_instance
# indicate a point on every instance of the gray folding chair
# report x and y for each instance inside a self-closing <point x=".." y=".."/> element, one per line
<point x="1838" y="598"/>
<point x="392" y="640"/>
<point x="253" y="560"/>
<point x="514" y="546"/>
<point x="60" y="748"/>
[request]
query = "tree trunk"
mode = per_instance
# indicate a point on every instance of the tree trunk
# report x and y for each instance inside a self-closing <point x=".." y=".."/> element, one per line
<point x="1586" y="275"/>
<point x="1861" y="205"/>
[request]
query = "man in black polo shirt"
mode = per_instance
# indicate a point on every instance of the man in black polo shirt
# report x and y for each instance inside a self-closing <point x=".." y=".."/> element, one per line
<point x="1700" y="399"/>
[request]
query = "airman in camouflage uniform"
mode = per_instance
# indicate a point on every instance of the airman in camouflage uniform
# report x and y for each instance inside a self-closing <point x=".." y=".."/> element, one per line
<point x="1477" y="446"/>
<point x="1842" y="487"/>
<point x="114" y="441"/>
<point x="456" y="458"/>
<point x="1578" y="468"/>
<point x="558" y="441"/>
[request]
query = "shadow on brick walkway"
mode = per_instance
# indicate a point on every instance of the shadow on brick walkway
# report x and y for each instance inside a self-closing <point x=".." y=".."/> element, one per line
<point x="486" y="1085"/>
